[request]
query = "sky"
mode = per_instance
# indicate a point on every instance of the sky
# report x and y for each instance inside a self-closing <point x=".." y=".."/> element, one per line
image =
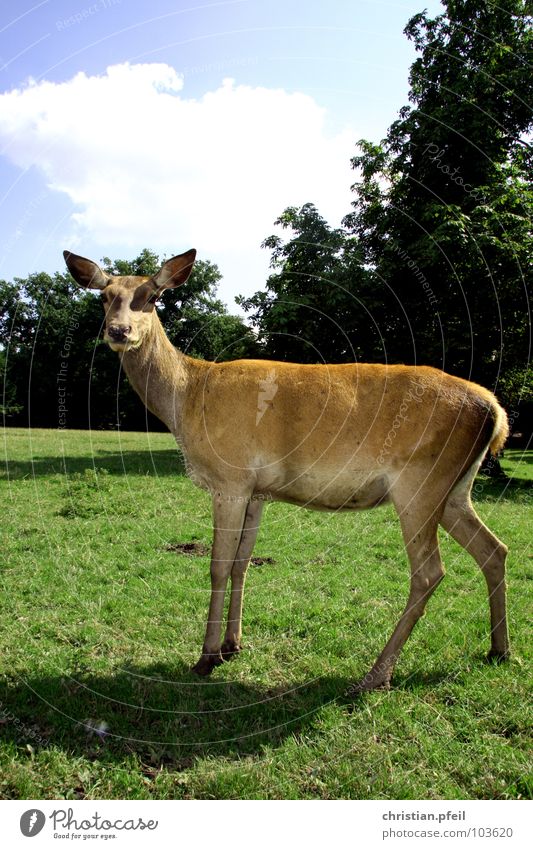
<point x="179" y="123"/>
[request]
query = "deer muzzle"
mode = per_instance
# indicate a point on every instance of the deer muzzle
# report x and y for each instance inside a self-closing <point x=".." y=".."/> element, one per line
<point x="118" y="332"/>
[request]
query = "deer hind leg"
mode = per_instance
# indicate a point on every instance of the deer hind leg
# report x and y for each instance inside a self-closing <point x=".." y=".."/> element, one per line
<point x="464" y="525"/>
<point x="419" y="529"/>
<point x="229" y="517"/>
<point x="232" y="640"/>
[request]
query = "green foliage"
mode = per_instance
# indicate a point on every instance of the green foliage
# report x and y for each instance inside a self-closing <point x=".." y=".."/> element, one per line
<point x="144" y="265"/>
<point x="57" y="373"/>
<point x="433" y="264"/>
<point x="316" y="304"/>
<point x="443" y="205"/>
<point x="518" y="384"/>
<point x="198" y="323"/>
<point x="48" y="337"/>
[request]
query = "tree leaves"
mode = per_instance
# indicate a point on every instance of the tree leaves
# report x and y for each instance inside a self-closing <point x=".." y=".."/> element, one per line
<point x="56" y="372"/>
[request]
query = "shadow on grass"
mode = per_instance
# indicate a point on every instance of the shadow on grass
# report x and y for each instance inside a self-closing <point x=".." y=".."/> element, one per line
<point x="502" y="489"/>
<point x="427" y="679"/>
<point x="154" y="463"/>
<point x="525" y="456"/>
<point x="162" y="713"/>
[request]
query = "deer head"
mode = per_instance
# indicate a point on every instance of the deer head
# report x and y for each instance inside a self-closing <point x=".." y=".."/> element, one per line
<point x="129" y="302"/>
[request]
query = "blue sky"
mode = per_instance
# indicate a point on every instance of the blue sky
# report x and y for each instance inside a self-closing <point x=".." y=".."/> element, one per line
<point x="169" y="125"/>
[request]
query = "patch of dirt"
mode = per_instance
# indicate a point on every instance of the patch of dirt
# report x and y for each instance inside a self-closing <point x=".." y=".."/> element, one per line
<point x="199" y="549"/>
<point x="262" y="561"/>
<point x="193" y="549"/>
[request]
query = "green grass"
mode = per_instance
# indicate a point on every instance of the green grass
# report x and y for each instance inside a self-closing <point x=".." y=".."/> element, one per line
<point x="101" y="623"/>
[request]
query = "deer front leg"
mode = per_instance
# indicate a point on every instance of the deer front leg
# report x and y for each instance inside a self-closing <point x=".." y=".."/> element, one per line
<point x="228" y="527"/>
<point x="232" y="639"/>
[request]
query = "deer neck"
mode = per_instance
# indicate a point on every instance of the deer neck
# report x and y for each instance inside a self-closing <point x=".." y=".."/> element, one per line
<point x="158" y="372"/>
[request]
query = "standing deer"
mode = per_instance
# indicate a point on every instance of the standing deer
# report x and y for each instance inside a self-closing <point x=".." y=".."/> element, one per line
<point x="327" y="437"/>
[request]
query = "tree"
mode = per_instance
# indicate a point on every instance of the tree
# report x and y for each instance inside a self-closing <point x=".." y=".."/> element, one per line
<point x="56" y="372"/>
<point x="198" y="323"/>
<point x="317" y="301"/>
<point x="443" y="204"/>
<point x="45" y="334"/>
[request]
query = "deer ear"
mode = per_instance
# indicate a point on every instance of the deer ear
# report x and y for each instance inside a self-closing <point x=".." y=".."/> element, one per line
<point x="174" y="271"/>
<point x="85" y="272"/>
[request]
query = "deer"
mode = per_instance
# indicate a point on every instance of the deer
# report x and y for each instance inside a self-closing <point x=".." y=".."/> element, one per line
<point x="334" y="437"/>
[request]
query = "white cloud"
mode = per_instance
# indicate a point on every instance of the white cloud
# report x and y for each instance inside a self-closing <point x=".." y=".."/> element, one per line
<point x="147" y="166"/>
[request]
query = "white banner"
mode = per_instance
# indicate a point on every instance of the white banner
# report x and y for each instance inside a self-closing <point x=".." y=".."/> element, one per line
<point x="268" y="824"/>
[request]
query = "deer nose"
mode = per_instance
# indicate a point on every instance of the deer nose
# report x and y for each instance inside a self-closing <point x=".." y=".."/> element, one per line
<point x="118" y="332"/>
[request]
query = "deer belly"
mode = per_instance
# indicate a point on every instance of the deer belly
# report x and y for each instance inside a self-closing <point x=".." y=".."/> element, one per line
<point x="323" y="492"/>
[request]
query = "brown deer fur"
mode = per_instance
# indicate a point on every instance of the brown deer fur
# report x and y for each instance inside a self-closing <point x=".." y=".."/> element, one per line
<point x="327" y="437"/>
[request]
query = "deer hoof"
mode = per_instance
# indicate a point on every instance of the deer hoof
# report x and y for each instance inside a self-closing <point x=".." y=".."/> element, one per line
<point x="495" y="656"/>
<point x="206" y="664"/>
<point x="229" y="649"/>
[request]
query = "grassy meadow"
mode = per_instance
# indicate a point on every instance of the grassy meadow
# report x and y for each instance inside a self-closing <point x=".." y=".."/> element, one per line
<point x="103" y="615"/>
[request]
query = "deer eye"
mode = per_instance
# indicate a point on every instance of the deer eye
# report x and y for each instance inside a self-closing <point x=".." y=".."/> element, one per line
<point x="143" y="296"/>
